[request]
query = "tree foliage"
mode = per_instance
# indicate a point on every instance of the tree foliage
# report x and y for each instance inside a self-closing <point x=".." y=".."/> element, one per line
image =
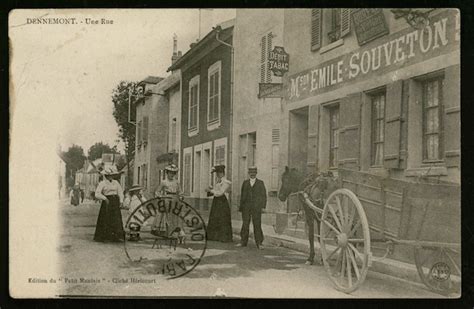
<point x="96" y="150"/>
<point x="74" y="158"/>
<point x="120" y="99"/>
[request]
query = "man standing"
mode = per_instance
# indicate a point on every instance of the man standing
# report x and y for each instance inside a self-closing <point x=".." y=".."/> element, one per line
<point x="253" y="200"/>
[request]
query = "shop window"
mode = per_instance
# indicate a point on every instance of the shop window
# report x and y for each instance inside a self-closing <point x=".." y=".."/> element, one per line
<point x="432" y="120"/>
<point x="214" y="95"/>
<point x="334" y="135"/>
<point x="378" y="129"/>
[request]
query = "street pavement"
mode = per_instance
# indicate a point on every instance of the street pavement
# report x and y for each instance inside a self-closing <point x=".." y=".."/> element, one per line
<point x="225" y="270"/>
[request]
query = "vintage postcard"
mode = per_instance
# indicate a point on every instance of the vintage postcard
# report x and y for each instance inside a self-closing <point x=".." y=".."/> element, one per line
<point x="249" y="153"/>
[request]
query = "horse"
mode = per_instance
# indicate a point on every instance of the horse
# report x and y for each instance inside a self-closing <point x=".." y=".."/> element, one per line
<point x="317" y="187"/>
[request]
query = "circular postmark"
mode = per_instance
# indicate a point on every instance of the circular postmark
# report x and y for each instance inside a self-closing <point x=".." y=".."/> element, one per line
<point x="440" y="271"/>
<point x="166" y="235"/>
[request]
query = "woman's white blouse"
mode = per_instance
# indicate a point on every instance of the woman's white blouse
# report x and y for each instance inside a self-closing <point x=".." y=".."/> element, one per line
<point x="106" y="187"/>
<point x="221" y="188"/>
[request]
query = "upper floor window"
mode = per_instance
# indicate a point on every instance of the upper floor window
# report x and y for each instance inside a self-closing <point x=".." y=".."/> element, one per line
<point x="328" y="26"/>
<point x="193" y="111"/>
<point x="173" y="135"/>
<point x="432" y="119"/>
<point x="214" y="95"/>
<point x="378" y="128"/>
<point x="139" y="133"/>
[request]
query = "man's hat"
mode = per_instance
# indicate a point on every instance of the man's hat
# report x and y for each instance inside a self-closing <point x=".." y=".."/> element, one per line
<point x="110" y="171"/>
<point x="135" y="188"/>
<point x="172" y="168"/>
<point x="253" y="169"/>
<point x="218" y="169"/>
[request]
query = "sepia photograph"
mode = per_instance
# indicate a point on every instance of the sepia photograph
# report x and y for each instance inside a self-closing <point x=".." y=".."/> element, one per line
<point x="235" y="153"/>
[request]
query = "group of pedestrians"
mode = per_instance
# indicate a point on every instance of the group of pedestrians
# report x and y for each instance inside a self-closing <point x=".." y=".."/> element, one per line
<point x="76" y="195"/>
<point x="253" y="201"/>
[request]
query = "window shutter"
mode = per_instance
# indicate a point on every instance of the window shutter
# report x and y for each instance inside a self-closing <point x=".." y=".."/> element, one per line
<point x="393" y="115"/>
<point x="145" y="129"/>
<point x="345" y="22"/>
<point x="452" y="119"/>
<point x="269" y="48"/>
<point x="276" y="136"/>
<point x="404" y="125"/>
<point x="263" y="58"/>
<point x="316" y="21"/>
<point x="313" y="129"/>
<point x="139" y="132"/>
<point x="349" y="132"/>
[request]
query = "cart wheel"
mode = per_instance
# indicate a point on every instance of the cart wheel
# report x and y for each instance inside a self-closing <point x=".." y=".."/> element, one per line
<point x="439" y="268"/>
<point x="345" y="240"/>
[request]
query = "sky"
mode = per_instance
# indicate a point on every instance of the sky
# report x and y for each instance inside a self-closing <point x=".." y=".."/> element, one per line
<point x="64" y="74"/>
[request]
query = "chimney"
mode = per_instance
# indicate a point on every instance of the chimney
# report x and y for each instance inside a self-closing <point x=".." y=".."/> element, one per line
<point x="175" y="49"/>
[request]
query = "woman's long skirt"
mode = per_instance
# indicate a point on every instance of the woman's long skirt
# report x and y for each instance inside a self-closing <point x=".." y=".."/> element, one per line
<point x="109" y="223"/>
<point x="219" y="227"/>
<point x="169" y="218"/>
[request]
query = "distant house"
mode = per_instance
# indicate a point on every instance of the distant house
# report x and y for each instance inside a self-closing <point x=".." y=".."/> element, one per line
<point x="89" y="175"/>
<point x="158" y="114"/>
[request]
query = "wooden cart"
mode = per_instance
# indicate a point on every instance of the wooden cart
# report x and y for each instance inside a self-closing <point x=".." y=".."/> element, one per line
<point x="370" y="210"/>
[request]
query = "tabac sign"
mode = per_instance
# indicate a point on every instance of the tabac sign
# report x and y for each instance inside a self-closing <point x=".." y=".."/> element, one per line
<point x="390" y="53"/>
<point x="278" y="61"/>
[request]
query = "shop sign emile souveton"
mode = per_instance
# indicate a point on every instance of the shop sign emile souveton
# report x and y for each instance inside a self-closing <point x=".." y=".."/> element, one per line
<point x="386" y="54"/>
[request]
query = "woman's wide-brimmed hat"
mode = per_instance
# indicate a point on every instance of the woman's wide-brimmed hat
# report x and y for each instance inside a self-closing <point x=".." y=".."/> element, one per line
<point x="172" y="168"/>
<point x="135" y="188"/>
<point x="110" y="171"/>
<point x="218" y="169"/>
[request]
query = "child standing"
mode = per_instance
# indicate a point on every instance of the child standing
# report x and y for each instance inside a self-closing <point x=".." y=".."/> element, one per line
<point x="134" y="199"/>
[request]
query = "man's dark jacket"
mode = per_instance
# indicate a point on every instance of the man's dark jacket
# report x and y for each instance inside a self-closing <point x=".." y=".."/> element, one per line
<point x="253" y="197"/>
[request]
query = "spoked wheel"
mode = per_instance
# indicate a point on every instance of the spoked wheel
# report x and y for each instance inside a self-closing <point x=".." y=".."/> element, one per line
<point x="439" y="268"/>
<point x="345" y="240"/>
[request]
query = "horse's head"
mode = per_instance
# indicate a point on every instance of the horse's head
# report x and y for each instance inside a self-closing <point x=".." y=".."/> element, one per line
<point x="290" y="181"/>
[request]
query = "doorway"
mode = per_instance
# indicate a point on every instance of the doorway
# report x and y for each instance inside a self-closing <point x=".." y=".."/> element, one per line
<point x="298" y="139"/>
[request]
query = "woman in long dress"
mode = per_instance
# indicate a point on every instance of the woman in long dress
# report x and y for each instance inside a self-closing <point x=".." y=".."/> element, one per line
<point x="219" y="227"/>
<point x="109" y="226"/>
<point x="169" y="187"/>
